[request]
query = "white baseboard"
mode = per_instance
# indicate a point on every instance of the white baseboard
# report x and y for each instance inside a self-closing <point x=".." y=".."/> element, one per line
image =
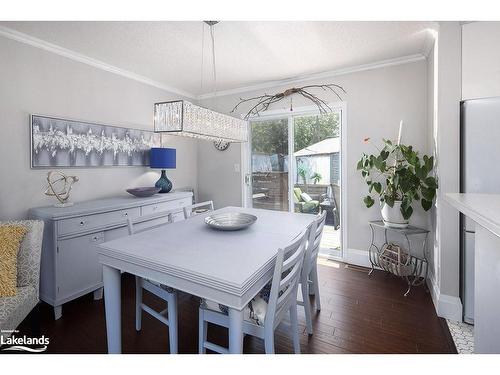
<point x="448" y="307"/>
<point x="357" y="257"/>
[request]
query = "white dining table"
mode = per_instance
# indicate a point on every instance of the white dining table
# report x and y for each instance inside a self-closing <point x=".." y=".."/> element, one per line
<point x="227" y="267"/>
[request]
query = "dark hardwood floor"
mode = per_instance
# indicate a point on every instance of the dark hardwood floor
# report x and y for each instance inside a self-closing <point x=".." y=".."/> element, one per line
<point x="360" y="314"/>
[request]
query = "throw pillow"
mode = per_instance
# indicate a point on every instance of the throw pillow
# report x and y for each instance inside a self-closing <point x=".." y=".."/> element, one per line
<point x="306" y="197"/>
<point x="11" y="237"/>
<point x="28" y="257"/>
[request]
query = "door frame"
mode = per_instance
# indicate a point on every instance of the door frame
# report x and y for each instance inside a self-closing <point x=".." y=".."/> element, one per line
<point x="305" y="110"/>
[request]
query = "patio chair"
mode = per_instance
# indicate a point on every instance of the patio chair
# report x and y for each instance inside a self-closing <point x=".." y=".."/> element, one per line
<point x="307" y="207"/>
<point x="329" y="203"/>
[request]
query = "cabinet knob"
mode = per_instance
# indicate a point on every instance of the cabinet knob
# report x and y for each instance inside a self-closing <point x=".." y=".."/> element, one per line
<point x="126" y="213"/>
<point x="82" y="223"/>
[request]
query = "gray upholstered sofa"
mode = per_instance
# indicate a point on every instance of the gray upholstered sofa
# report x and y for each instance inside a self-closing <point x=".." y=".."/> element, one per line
<point x="13" y="310"/>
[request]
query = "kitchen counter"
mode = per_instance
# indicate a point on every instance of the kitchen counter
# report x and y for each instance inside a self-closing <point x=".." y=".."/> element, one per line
<point x="484" y="209"/>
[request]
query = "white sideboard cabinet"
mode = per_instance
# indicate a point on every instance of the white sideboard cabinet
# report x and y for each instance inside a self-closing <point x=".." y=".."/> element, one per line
<point x="69" y="264"/>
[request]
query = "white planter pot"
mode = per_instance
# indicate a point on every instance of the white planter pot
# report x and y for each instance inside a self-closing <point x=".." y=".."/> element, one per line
<point x="392" y="216"/>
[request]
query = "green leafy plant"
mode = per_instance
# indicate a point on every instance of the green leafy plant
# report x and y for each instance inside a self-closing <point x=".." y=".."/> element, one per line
<point x="316" y="177"/>
<point x="398" y="173"/>
<point x="302" y="172"/>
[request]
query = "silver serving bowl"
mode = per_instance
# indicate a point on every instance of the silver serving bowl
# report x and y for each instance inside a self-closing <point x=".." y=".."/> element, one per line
<point x="143" y="191"/>
<point x="230" y="220"/>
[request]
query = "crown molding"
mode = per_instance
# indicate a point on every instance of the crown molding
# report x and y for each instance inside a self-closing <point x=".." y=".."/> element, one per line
<point x="75" y="56"/>
<point x="430" y="41"/>
<point x="332" y="73"/>
<point x="61" y="51"/>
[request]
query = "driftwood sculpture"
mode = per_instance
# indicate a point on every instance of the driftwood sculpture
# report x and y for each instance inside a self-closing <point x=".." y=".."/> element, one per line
<point x="263" y="102"/>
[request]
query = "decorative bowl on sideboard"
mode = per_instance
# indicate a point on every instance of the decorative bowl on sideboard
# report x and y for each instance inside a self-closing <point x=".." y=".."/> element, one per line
<point x="143" y="192"/>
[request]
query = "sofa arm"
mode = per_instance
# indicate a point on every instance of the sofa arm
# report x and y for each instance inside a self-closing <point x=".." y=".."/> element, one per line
<point x="28" y="257"/>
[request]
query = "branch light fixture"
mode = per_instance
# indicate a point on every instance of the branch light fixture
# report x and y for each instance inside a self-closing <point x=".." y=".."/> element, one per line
<point x="261" y="103"/>
<point x="180" y="117"/>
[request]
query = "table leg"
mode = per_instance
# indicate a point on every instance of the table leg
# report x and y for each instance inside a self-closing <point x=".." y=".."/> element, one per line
<point x="112" y="303"/>
<point x="235" y="331"/>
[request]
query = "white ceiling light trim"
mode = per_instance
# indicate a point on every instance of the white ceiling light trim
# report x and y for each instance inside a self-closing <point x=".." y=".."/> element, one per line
<point x="70" y="54"/>
<point x="321" y="75"/>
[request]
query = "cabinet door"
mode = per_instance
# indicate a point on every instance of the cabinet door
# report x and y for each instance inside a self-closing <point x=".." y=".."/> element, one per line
<point x="79" y="270"/>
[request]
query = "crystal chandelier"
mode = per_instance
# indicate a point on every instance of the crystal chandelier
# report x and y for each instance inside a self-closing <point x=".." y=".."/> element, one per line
<point x="181" y="117"/>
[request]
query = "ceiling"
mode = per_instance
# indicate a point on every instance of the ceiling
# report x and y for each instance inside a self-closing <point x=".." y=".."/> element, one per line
<point x="247" y="53"/>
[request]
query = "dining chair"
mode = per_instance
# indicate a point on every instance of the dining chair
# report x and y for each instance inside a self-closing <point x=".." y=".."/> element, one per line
<point x="198" y="208"/>
<point x="309" y="275"/>
<point x="167" y="294"/>
<point x="269" y="308"/>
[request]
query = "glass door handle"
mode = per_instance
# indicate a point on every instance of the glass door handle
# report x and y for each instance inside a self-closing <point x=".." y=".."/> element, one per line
<point x="247" y="179"/>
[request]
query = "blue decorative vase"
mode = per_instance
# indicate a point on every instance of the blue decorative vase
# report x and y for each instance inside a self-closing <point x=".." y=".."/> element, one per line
<point x="164" y="183"/>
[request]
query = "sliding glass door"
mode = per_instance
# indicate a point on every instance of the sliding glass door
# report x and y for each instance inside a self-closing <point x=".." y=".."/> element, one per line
<point x="270" y="164"/>
<point x="316" y="185"/>
<point x="294" y="164"/>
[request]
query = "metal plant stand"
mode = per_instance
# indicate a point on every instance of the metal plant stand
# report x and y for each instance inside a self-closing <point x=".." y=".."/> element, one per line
<point x="416" y="268"/>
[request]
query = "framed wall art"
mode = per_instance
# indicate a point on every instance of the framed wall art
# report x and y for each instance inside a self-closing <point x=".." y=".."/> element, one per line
<point x="63" y="143"/>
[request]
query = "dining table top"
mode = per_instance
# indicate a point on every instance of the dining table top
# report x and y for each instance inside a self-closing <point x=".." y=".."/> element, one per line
<point x="227" y="260"/>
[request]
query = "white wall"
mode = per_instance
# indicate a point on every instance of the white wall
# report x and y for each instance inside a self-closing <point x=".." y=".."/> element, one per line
<point x="376" y="101"/>
<point x="466" y="65"/>
<point x="480" y="60"/>
<point x="445" y="128"/>
<point x="36" y="81"/>
<point x="433" y="249"/>
<point x="218" y="179"/>
<point x="448" y="139"/>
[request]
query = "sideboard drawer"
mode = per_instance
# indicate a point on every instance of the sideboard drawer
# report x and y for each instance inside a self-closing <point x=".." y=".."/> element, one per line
<point x="84" y="223"/>
<point x="165" y="206"/>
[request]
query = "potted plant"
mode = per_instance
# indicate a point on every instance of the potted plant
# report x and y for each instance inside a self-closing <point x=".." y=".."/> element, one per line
<point x="399" y="177"/>
<point x="316" y="177"/>
<point x="302" y="172"/>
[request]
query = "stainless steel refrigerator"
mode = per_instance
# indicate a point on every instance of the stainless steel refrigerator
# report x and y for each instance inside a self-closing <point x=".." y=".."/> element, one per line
<point x="479" y="173"/>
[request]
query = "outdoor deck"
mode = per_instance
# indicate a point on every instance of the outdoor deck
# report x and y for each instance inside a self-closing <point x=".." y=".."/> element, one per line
<point x="331" y="238"/>
<point x="330" y="243"/>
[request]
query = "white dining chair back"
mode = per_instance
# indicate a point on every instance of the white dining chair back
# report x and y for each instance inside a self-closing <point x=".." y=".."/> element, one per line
<point x="282" y="300"/>
<point x="198" y="208"/>
<point x="167" y="316"/>
<point x="287" y="272"/>
<point x="314" y="242"/>
<point x="160" y="219"/>
<point x="309" y="276"/>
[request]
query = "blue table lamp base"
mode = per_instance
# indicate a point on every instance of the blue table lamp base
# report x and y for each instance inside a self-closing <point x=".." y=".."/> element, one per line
<point x="163" y="158"/>
<point x="164" y="183"/>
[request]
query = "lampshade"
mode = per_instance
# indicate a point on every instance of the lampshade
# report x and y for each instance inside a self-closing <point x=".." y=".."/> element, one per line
<point x="181" y="117"/>
<point x="162" y="158"/>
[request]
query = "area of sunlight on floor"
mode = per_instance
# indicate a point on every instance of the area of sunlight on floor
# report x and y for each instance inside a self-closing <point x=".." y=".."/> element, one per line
<point x="328" y="262"/>
<point x="330" y="242"/>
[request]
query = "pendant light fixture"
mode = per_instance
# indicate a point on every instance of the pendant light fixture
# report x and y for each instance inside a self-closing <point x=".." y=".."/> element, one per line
<point x="180" y="117"/>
